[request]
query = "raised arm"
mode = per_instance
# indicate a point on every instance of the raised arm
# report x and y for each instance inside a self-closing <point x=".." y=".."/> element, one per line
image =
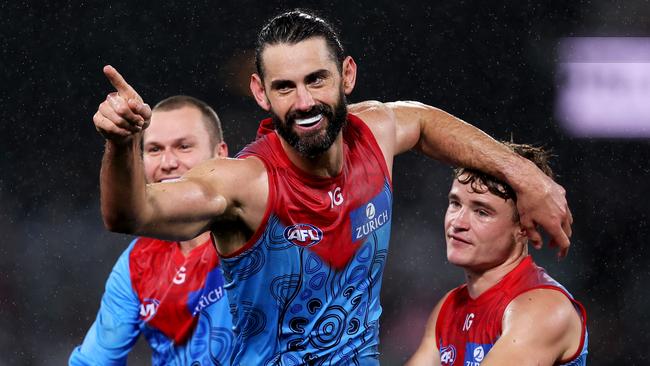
<point x="401" y="126"/>
<point x="174" y="211"/>
<point x="557" y="336"/>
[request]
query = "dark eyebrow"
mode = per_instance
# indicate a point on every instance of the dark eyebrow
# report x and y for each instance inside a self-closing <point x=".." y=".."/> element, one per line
<point x="322" y="73"/>
<point x="482" y="205"/>
<point x="475" y="203"/>
<point x="281" y="84"/>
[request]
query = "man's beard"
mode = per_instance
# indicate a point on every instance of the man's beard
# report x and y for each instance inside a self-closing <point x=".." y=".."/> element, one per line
<point x="313" y="143"/>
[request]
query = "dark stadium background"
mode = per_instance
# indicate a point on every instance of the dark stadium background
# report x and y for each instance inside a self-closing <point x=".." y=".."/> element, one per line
<point x="491" y="63"/>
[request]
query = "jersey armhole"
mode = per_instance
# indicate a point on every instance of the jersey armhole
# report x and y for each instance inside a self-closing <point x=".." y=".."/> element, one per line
<point x="267" y="211"/>
<point x="374" y="145"/>
<point x="443" y="310"/>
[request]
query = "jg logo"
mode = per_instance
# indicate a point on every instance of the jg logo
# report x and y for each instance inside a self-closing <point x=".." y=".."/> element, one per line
<point x="180" y="276"/>
<point x="468" y="322"/>
<point x="336" y="197"/>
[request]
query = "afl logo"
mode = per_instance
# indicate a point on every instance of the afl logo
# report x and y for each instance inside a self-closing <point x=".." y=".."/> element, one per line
<point x="148" y="309"/>
<point x="448" y="355"/>
<point x="370" y="211"/>
<point x="304" y="235"/>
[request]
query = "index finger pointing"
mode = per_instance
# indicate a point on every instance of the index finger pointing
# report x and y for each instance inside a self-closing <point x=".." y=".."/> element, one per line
<point x="123" y="88"/>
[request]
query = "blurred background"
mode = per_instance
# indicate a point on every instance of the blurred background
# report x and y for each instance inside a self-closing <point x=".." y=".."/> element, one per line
<point x="572" y="76"/>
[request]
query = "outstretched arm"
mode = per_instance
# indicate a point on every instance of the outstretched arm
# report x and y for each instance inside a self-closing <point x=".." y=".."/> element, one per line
<point x="557" y="331"/>
<point x="176" y="210"/>
<point x="401" y="126"/>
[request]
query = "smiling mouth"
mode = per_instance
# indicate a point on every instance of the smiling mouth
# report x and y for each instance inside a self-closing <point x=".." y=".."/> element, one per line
<point x="169" y="180"/>
<point x="309" y="122"/>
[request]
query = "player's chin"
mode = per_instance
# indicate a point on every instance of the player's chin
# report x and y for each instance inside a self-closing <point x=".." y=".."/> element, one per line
<point x="458" y="256"/>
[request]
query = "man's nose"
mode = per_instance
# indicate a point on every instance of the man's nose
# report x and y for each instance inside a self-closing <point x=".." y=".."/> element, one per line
<point x="460" y="221"/>
<point x="304" y="101"/>
<point x="169" y="160"/>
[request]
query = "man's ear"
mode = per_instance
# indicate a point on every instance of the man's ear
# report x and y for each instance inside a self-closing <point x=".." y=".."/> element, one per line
<point x="521" y="236"/>
<point x="221" y="150"/>
<point x="349" y="74"/>
<point x="257" y="88"/>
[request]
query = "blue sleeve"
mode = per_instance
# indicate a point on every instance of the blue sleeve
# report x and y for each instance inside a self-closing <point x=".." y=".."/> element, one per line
<point x="117" y="327"/>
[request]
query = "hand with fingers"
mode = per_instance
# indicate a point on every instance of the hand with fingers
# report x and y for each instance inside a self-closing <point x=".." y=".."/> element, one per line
<point x="123" y="114"/>
<point x="545" y="205"/>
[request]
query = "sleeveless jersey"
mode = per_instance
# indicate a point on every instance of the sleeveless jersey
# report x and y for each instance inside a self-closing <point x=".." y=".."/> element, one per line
<point x="466" y="328"/>
<point x="178" y="303"/>
<point x="182" y="297"/>
<point x="305" y="288"/>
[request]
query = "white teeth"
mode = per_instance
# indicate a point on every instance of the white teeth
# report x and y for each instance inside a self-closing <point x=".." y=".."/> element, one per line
<point x="168" y="180"/>
<point x="308" y="121"/>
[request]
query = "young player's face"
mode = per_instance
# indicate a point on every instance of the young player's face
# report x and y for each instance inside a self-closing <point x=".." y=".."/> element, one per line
<point x="174" y="142"/>
<point x="305" y="94"/>
<point x="481" y="232"/>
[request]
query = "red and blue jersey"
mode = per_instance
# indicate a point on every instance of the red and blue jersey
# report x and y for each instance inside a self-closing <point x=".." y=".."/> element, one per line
<point x="467" y="328"/>
<point x="177" y="302"/>
<point x="305" y="288"/>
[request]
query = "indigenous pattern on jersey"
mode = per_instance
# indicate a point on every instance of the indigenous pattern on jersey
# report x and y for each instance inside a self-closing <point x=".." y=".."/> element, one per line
<point x="305" y="288"/>
<point x="173" y="299"/>
<point x="178" y="303"/>
<point x="467" y="328"/>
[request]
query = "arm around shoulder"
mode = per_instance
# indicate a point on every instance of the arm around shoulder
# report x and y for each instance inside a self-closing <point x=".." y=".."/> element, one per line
<point x="402" y="126"/>
<point x="406" y="125"/>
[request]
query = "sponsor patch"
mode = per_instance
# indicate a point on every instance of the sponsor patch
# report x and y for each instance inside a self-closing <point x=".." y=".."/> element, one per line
<point x="211" y="293"/>
<point x="475" y="353"/>
<point x="371" y="216"/>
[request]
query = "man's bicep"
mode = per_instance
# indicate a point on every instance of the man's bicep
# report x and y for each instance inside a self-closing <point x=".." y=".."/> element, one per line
<point x="396" y="126"/>
<point x="409" y="122"/>
<point x="183" y="209"/>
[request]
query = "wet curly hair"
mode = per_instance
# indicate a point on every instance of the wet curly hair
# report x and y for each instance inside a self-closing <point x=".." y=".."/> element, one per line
<point x="481" y="182"/>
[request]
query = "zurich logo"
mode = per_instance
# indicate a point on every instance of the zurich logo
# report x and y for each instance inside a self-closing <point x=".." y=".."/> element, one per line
<point x="370" y="211"/>
<point x="304" y="235"/>
<point x="479" y="354"/>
